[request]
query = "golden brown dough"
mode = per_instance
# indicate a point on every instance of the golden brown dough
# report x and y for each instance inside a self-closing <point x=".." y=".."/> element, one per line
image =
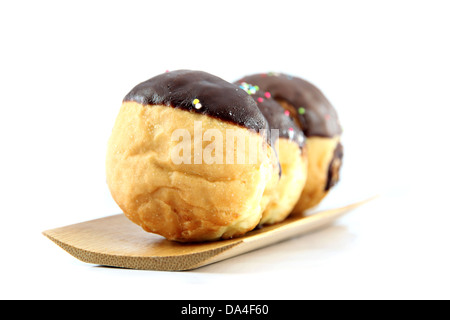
<point x="184" y="202"/>
<point x="293" y="162"/>
<point x="320" y="158"/>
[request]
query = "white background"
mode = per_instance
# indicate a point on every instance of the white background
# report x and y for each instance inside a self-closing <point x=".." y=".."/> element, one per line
<point x="385" y="65"/>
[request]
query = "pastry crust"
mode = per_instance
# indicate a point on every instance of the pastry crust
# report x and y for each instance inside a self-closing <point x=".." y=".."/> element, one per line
<point x="320" y="157"/>
<point x="184" y="201"/>
<point x="293" y="163"/>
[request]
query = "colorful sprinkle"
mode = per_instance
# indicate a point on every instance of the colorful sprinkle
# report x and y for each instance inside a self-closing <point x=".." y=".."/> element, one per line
<point x="267" y="94"/>
<point x="260" y="99"/>
<point x="287" y="113"/>
<point x="249" y="88"/>
<point x="197" y="104"/>
<point x="301" y="110"/>
<point x="291" y="133"/>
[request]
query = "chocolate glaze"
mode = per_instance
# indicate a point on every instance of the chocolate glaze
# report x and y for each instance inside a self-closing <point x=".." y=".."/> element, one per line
<point x="278" y="118"/>
<point x="218" y="98"/>
<point x="334" y="168"/>
<point x="319" y="117"/>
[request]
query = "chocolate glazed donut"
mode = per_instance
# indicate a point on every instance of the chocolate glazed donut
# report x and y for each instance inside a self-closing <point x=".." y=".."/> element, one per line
<point x="152" y="166"/>
<point x="289" y="142"/>
<point x="318" y="120"/>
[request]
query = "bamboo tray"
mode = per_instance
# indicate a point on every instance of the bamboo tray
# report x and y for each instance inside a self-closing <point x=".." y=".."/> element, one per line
<point x="117" y="242"/>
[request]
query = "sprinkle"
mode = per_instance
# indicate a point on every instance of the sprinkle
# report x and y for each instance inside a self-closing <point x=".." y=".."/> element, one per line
<point x="197" y="104"/>
<point x="267" y="94"/>
<point x="249" y="88"/>
<point x="260" y="99"/>
<point x="301" y="110"/>
<point x="244" y="86"/>
<point x="287" y="113"/>
<point x="291" y="133"/>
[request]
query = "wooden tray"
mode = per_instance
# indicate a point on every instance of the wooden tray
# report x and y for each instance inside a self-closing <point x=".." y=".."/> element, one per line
<point x="115" y="241"/>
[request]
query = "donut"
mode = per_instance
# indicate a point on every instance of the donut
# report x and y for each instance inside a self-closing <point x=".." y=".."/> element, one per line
<point x="317" y="118"/>
<point x="181" y="157"/>
<point x="289" y="142"/>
